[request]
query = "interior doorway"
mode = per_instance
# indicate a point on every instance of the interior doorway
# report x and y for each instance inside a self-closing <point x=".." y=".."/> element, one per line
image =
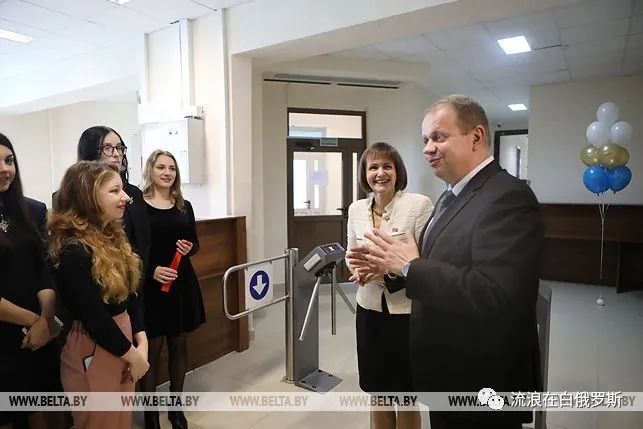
<point x="323" y="152"/>
<point x="511" y="149"/>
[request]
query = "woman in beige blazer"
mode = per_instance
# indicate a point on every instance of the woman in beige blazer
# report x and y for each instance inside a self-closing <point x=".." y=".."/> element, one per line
<point x="382" y="322"/>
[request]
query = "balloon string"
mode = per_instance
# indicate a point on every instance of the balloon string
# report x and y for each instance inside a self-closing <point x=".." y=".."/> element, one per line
<point x="602" y="209"/>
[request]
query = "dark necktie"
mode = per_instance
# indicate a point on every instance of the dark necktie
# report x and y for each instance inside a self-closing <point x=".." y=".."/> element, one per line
<point x="443" y="203"/>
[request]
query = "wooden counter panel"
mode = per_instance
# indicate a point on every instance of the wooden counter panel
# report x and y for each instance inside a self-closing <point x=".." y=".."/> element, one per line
<point x="583" y="222"/>
<point x="573" y="245"/>
<point x="223" y="244"/>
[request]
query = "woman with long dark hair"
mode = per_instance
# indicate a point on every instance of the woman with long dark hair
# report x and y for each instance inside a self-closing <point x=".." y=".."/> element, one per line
<point x="104" y="144"/>
<point x="27" y="297"/>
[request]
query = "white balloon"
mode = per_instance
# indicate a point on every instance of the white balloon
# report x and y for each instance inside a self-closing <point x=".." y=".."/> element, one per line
<point x="598" y="133"/>
<point x="607" y="113"/>
<point x="621" y="132"/>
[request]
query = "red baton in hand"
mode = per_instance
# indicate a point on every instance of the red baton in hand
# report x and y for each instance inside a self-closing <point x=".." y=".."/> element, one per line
<point x="175" y="266"/>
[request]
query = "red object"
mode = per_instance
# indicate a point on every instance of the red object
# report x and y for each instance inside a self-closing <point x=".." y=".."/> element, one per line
<point x="174" y="265"/>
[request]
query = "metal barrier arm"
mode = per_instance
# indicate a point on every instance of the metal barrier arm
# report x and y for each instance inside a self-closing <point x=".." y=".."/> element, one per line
<point x="311" y="304"/>
<point x="236" y="268"/>
<point x="348" y="302"/>
<point x="333" y="304"/>
<point x="335" y="288"/>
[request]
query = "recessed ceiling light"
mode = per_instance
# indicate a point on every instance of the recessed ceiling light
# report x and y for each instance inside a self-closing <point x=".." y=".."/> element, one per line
<point x="119" y="2"/>
<point x="516" y="107"/>
<point x="514" y="45"/>
<point x="16" y="37"/>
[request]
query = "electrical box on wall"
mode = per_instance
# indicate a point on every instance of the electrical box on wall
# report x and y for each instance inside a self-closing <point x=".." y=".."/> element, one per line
<point x="185" y="139"/>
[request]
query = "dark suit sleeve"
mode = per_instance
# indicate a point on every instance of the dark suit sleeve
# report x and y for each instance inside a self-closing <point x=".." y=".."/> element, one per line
<point x="193" y="235"/>
<point x="506" y="248"/>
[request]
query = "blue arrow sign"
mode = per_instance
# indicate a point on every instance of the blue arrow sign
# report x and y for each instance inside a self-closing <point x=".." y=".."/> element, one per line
<point x="259" y="284"/>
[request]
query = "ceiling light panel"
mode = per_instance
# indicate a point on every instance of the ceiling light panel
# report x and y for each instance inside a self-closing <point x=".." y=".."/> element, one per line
<point x="517" y="107"/>
<point x="15" y="37"/>
<point x="514" y="45"/>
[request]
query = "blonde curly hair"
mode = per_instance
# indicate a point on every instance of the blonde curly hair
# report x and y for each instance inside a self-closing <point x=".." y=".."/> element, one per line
<point x="76" y="220"/>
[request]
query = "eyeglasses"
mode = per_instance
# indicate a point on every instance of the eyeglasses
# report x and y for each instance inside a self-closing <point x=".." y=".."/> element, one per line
<point x="109" y="150"/>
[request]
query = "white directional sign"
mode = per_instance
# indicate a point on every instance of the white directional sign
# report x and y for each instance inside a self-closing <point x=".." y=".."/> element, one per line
<point x="258" y="285"/>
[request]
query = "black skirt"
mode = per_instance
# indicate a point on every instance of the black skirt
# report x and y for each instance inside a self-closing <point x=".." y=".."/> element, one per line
<point x="383" y="350"/>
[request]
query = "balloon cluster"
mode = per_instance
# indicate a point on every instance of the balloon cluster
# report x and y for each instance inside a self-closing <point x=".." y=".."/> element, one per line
<point x="605" y="157"/>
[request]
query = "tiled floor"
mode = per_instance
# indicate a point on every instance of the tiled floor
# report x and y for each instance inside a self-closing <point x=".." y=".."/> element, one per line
<point x="592" y="348"/>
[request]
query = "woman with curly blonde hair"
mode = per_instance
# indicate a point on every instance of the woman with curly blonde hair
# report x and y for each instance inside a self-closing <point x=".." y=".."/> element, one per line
<point x="98" y="274"/>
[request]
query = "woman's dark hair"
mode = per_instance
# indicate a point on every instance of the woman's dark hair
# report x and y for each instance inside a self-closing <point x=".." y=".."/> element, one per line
<point x="91" y="142"/>
<point x="12" y="201"/>
<point x="386" y="151"/>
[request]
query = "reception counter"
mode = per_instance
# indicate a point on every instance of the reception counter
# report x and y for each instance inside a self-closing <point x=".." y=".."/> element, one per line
<point x="223" y="244"/>
<point x="573" y="245"/>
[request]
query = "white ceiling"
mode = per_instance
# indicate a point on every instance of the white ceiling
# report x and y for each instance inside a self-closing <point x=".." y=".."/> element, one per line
<point x="66" y="28"/>
<point x="590" y="39"/>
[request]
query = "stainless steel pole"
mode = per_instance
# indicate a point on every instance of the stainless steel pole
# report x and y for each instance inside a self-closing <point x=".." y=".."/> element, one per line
<point x="290" y="262"/>
<point x="333" y="301"/>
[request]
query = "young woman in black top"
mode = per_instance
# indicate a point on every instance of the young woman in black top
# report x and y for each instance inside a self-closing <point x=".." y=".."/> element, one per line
<point x="104" y="144"/>
<point x="172" y="314"/>
<point x="98" y="274"/>
<point x="27" y="297"/>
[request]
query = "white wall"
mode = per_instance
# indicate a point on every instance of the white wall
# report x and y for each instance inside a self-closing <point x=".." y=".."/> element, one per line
<point x="559" y="115"/>
<point x="68" y="122"/>
<point x="209" y="92"/>
<point x="30" y="136"/>
<point x="392" y="116"/>
<point x="46" y="141"/>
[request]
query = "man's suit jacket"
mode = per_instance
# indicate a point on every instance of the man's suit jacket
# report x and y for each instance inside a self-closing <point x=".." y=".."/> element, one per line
<point x="474" y="291"/>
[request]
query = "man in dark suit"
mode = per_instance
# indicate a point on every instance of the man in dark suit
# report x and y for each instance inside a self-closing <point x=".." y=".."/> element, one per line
<point x="474" y="276"/>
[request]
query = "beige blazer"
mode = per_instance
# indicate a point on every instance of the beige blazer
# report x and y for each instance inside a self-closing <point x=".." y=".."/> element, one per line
<point x="406" y="212"/>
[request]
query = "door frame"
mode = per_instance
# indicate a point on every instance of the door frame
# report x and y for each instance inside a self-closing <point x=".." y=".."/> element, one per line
<point x="345" y="146"/>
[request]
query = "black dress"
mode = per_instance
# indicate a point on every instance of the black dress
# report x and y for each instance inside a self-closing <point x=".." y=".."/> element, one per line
<point x="23" y="273"/>
<point x="181" y="309"/>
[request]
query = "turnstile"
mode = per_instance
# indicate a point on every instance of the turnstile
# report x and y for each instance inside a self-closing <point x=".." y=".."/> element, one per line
<point x="303" y="280"/>
<point x="320" y="263"/>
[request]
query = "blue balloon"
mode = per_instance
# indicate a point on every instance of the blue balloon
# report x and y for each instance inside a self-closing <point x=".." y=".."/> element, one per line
<point x="619" y="177"/>
<point x="596" y="180"/>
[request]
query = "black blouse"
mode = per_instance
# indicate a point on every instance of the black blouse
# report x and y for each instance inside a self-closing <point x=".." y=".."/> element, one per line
<point x="83" y="298"/>
<point x="137" y="229"/>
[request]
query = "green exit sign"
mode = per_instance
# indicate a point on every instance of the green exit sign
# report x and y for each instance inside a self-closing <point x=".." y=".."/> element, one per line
<point x="329" y="142"/>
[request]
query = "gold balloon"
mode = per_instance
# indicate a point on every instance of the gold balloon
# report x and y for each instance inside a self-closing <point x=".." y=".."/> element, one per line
<point x="589" y="155"/>
<point x="607" y="155"/>
<point x="622" y="156"/>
